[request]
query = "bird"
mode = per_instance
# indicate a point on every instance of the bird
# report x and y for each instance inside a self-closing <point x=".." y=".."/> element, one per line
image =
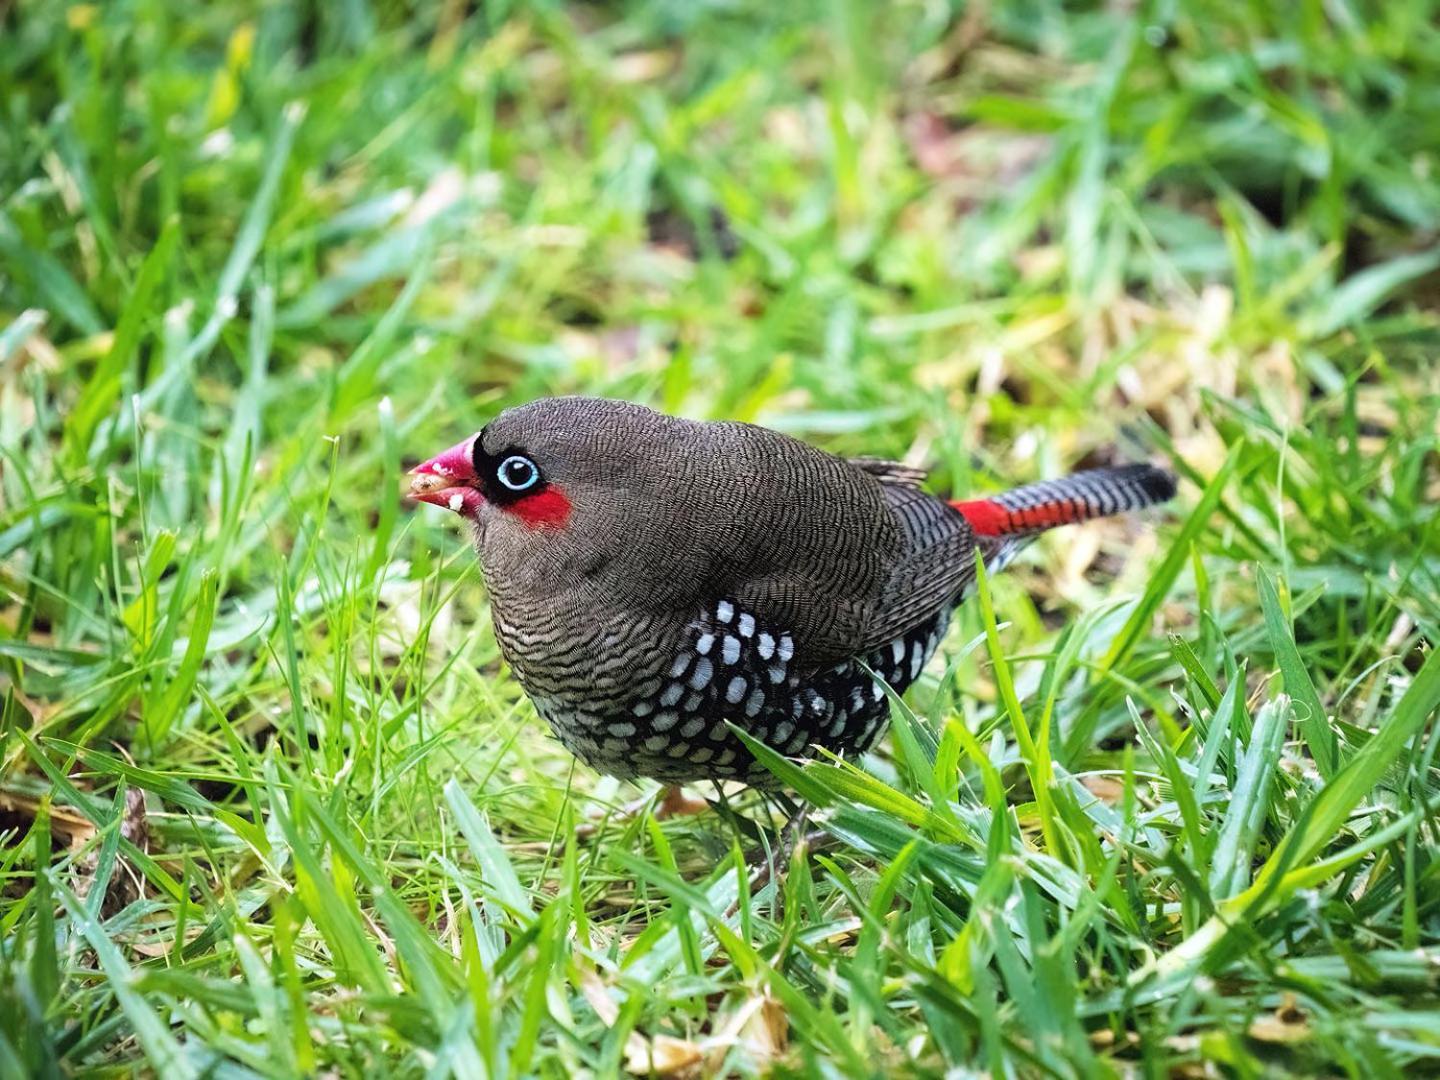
<point x="657" y="582"/>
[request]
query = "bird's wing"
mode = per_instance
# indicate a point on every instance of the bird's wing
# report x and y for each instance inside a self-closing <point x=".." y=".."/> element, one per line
<point x="936" y="563"/>
<point x="845" y="554"/>
<point x="935" y="567"/>
<point x="892" y="473"/>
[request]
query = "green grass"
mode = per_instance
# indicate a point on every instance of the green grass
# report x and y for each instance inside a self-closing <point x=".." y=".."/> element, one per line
<point x="269" y="802"/>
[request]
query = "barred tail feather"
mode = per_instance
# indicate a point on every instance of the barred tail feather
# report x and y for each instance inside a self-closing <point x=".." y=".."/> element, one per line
<point x="1032" y="509"/>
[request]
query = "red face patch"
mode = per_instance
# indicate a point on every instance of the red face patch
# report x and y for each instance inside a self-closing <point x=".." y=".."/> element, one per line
<point x="548" y="508"/>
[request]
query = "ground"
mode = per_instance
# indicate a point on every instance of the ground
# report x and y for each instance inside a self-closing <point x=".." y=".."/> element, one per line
<point x="269" y="801"/>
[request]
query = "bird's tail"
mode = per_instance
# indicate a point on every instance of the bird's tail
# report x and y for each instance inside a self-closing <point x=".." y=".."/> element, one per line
<point x="1004" y="523"/>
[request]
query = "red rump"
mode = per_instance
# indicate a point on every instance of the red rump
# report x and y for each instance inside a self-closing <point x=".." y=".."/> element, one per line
<point x="546" y="509"/>
<point x="989" y="518"/>
<point x="985" y="517"/>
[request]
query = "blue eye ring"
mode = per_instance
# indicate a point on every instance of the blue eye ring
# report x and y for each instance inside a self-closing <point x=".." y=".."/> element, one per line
<point x="517" y="473"/>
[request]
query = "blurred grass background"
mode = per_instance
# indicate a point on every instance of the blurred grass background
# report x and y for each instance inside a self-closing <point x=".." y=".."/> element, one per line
<point x="268" y="802"/>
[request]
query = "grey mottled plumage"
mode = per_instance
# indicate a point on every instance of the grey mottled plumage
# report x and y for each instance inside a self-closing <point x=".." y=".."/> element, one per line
<point x="652" y="577"/>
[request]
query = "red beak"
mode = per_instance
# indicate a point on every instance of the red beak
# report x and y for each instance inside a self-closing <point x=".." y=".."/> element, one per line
<point x="448" y="480"/>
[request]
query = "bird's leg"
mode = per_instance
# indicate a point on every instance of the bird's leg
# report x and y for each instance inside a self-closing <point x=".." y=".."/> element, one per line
<point x="746" y="829"/>
<point x="774" y="862"/>
<point x="769" y="856"/>
<point x="795" y="813"/>
<point x="675" y="803"/>
<point x="791" y="833"/>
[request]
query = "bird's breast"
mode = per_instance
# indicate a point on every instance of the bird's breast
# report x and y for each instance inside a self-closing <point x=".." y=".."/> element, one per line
<point x="573" y="649"/>
<point x="669" y="711"/>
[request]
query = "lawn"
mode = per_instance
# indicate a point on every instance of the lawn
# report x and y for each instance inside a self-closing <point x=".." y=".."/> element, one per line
<point x="271" y="805"/>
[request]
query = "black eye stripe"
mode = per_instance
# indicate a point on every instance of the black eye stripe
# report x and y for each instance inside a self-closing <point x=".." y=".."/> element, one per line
<point x="479" y="460"/>
<point x="507" y="474"/>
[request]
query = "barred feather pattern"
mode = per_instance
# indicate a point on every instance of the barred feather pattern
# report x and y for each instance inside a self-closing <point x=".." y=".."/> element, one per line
<point x="713" y="574"/>
<point x="730" y="668"/>
<point x="1078" y="497"/>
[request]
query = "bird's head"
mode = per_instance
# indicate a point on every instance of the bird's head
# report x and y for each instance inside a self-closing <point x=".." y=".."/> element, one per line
<point x="561" y="479"/>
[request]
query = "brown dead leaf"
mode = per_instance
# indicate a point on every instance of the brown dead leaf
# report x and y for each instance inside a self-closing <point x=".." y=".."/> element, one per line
<point x="1105" y="788"/>
<point x="644" y="65"/>
<point x="135" y="826"/>
<point x="163" y="944"/>
<point x="42" y="353"/>
<point x="74" y="828"/>
<point x="1287" y="1024"/>
<point x="1104" y="1039"/>
<point x="673" y="231"/>
<point x="978" y="158"/>
<point x="930" y="142"/>
<point x="600" y="1000"/>
<point x="1081" y="550"/>
<point x="759" y="1026"/>
<point x="766" y="1031"/>
<point x="1399" y="632"/>
<point x="403" y="616"/>
<point x="662" y="1055"/>
<point x="1191" y="1070"/>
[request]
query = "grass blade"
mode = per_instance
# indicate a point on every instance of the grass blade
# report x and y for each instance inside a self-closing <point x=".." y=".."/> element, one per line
<point x="1164" y="576"/>
<point x="161" y="1048"/>
<point x="1314" y="721"/>
<point x="496" y="868"/>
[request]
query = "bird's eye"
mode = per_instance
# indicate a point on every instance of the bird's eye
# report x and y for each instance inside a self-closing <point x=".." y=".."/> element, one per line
<point x="518" y="473"/>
